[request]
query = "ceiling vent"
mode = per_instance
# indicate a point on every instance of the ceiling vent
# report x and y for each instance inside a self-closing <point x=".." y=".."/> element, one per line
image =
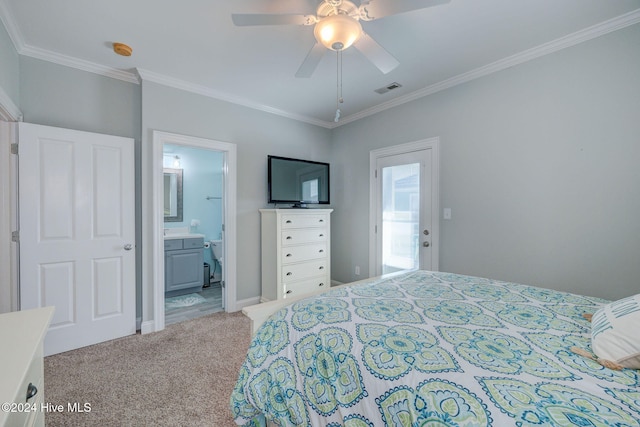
<point x="387" y="88"/>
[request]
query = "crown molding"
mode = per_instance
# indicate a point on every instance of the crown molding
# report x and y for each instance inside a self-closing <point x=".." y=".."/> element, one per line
<point x="80" y="64"/>
<point x="6" y="16"/>
<point x="137" y="75"/>
<point x="151" y="76"/>
<point x="9" y="111"/>
<point x="22" y="48"/>
<point x="572" y="39"/>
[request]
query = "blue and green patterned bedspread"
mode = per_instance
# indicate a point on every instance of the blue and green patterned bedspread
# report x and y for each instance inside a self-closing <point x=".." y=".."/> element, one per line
<point x="429" y="348"/>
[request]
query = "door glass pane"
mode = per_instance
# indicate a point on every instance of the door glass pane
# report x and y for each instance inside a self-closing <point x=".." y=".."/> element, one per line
<point x="400" y="217"/>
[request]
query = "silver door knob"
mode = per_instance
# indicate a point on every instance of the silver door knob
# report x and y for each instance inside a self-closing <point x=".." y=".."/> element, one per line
<point x="128" y="247"/>
<point x="425" y="244"/>
<point x="425" y="232"/>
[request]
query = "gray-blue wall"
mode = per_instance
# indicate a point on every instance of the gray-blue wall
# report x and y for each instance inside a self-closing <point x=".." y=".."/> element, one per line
<point x="9" y="67"/>
<point x="539" y="164"/>
<point x="256" y="134"/>
<point x="55" y="95"/>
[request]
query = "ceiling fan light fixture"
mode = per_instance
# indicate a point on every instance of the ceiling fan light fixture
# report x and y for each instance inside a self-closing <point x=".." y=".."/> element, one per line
<point x="337" y="32"/>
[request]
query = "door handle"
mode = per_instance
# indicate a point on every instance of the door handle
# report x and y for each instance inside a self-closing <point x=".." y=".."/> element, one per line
<point x="128" y="247"/>
<point x="31" y="391"/>
<point x="425" y="244"/>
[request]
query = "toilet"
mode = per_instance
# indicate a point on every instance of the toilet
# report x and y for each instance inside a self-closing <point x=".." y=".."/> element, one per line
<point x="216" y="247"/>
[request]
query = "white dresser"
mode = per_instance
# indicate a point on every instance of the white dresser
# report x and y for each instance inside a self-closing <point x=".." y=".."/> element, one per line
<point x="296" y="251"/>
<point x="22" y="366"/>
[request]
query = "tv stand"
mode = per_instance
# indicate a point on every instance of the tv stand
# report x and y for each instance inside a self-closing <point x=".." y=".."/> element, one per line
<point x="300" y="206"/>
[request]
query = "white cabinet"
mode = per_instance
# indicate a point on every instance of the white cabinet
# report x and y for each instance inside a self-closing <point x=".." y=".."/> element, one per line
<point x="296" y="251"/>
<point x="22" y="366"/>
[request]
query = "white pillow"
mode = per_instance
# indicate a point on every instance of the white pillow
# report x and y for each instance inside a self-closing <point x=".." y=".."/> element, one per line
<point x="615" y="332"/>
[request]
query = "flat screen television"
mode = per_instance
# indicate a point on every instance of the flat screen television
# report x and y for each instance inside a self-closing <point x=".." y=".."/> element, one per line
<point x="297" y="182"/>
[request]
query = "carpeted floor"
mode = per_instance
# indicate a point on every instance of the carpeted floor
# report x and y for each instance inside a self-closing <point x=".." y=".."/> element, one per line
<point x="182" y="376"/>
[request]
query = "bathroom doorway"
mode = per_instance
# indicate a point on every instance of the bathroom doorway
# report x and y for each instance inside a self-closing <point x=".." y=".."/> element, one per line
<point x="193" y="208"/>
<point x="194" y="211"/>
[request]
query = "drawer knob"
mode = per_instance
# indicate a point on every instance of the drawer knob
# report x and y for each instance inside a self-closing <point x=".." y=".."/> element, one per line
<point x="289" y="273"/>
<point x="288" y="221"/>
<point x="322" y="220"/>
<point x="289" y="291"/>
<point x="288" y="255"/>
<point x="321" y="235"/>
<point x="321" y="267"/>
<point x="321" y="251"/>
<point x="31" y="391"/>
<point x="321" y="284"/>
<point x="288" y="237"/>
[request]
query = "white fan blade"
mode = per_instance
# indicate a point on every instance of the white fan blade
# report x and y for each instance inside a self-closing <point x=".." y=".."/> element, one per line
<point x="249" y="19"/>
<point x="375" y="9"/>
<point x="311" y="61"/>
<point x="376" y="53"/>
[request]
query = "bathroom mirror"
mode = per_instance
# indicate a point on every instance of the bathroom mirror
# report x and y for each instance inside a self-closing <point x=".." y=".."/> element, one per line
<point x="172" y="195"/>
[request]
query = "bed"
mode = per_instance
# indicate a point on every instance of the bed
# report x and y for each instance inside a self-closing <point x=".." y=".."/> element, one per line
<point x="431" y="348"/>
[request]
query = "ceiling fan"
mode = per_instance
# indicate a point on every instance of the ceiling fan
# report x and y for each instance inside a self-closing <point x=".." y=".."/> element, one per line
<point x="337" y="27"/>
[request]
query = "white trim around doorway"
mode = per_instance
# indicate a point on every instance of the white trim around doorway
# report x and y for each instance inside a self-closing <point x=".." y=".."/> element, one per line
<point x="229" y="197"/>
<point x="374" y="155"/>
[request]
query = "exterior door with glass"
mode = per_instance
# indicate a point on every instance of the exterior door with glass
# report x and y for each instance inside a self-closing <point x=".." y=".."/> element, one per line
<point x="406" y="212"/>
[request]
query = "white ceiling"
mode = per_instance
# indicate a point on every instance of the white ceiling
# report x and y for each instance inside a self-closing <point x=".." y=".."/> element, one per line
<point x="193" y="45"/>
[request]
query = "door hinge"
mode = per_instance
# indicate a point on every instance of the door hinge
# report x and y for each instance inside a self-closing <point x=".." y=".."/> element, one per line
<point x="14" y="148"/>
<point x="222" y="227"/>
<point x="15" y="236"/>
<point x="375" y="173"/>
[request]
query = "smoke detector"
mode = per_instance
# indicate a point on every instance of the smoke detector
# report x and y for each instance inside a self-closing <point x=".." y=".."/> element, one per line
<point x="122" y="49"/>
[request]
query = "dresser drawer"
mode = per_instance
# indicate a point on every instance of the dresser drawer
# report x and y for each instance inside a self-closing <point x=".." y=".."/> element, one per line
<point x="305" y="286"/>
<point x="22" y="334"/>
<point x="194" y="243"/>
<point x="294" y="237"/>
<point x="303" y="221"/>
<point x="172" y="244"/>
<point x="296" y="251"/>
<point x="303" y="253"/>
<point x="295" y="272"/>
<point x="34" y="377"/>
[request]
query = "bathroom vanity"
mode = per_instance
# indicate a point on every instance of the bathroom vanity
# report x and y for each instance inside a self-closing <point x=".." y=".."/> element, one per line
<point x="183" y="261"/>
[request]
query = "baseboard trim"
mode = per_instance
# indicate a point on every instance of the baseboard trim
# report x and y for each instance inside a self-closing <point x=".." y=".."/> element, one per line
<point x="247" y="302"/>
<point x="147" y="327"/>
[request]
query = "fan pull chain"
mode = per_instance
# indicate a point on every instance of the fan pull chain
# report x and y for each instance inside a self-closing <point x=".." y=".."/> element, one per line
<point x="339" y="99"/>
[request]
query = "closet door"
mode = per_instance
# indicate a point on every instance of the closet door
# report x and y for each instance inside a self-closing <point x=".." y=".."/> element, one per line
<point x="77" y="233"/>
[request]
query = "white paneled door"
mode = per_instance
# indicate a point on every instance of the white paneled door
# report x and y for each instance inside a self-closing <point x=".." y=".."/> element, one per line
<point x="77" y="233"/>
